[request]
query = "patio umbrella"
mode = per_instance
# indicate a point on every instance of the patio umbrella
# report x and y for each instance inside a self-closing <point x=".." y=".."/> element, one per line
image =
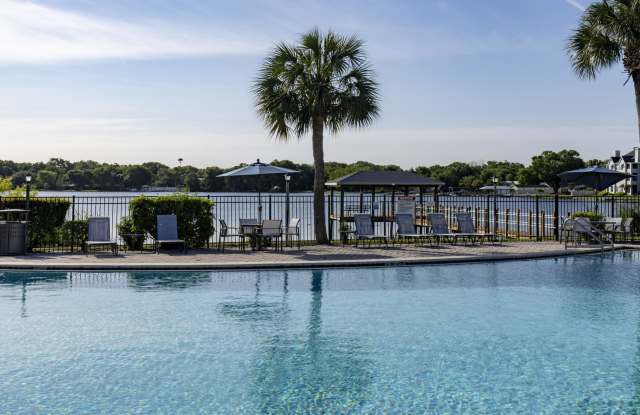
<point x="598" y="178"/>
<point x="258" y="169"/>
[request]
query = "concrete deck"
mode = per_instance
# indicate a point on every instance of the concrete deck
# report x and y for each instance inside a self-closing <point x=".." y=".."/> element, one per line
<point x="308" y="257"/>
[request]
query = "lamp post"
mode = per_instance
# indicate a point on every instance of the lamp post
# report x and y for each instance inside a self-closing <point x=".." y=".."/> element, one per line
<point x="180" y="160"/>
<point x="27" y="179"/>
<point x="287" y="181"/>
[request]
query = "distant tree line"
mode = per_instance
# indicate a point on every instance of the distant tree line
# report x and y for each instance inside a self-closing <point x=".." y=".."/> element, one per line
<point x="59" y="174"/>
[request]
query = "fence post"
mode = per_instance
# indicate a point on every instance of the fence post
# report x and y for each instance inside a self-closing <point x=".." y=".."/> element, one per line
<point x="495" y="216"/>
<point x="530" y="224"/>
<point x="506" y="222"/>
<point x="613" y="206"/>
<point x="73" y="219"/>
<point x="486" y="216"/>
<point x="518" y="223"/>
<point x="269" y="206"/>
<point x="556" y="216"/>
<point x="537" y="217"/>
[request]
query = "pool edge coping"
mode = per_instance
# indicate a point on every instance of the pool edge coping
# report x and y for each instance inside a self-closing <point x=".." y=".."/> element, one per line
<point x="344" y="263"/>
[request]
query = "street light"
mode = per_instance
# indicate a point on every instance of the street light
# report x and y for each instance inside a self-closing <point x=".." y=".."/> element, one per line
<point x="181" y="179"/>
<point x="287" y="180"/>
<point x="494" y="180"/>
<point x="27" y="179"/>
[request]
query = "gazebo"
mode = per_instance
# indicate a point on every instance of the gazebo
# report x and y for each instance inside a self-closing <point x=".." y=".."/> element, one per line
<point x="399" y="183"/>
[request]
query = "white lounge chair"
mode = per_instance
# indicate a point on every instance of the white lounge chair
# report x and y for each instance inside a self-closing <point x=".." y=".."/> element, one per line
<point x="167" y="229"/>
<point x="100" y="235"/>
<point x="406" y="229"/>
<point x="293" y="230"/>
<point x="466" y="227"/>
<point x="440" y="229"/>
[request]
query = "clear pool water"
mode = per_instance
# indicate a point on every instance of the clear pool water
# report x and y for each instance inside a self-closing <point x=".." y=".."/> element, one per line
<point x="546" y="336"/>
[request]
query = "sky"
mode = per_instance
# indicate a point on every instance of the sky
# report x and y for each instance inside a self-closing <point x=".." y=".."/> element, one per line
<point x="156" y="80"/>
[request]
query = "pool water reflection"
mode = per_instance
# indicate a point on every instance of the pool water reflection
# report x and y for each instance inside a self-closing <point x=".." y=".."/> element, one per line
<point x="544" y="336"/>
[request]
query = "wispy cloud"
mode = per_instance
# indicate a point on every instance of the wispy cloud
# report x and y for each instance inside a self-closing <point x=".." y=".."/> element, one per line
<point x="576" y="4"/>
<point x="32" y="33"/>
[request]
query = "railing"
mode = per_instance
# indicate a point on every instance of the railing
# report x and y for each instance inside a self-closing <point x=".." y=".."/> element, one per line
<point x="517" y="217"/>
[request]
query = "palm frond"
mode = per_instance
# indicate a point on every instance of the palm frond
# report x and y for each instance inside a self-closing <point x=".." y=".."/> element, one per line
<point x="324" y="77"/>
<point x="597" y="43"/>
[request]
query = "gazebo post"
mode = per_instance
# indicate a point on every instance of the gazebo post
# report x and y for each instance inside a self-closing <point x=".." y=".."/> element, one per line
<point x="421" y="201"/>
<point x="373" y="200"/>
<point x="361" y="208"/>
<point x="436" y="199"/>
<point x="330" y="224"/>
<point x="393" y="208"/>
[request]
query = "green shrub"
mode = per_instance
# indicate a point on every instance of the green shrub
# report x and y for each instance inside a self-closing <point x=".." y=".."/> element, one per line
<point x="45" y="217"/>
<point x="126" y="228"/>
<point x="593" y="216"/>
<point x="74" y="232"/>
<point x="194" y="214"/>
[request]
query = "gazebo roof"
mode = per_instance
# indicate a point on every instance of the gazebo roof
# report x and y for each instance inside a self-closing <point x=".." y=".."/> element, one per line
<point x="384" y="178"/>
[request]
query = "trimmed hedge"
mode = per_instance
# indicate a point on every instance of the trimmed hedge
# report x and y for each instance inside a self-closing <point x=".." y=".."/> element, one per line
<point x="45" y="217"/>
<point x="194" y="214"/>
<point x="74" y="232"/>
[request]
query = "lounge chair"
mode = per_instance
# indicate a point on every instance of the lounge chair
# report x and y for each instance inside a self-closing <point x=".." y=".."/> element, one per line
<point x="100" y="235"/>
<point x="440" y="229"/>
<point x="617" y="226"/>
<point x="406" y="228"/>
<point x="466" y="227"/>
<point x="293" y="230"/>
<point x="168" y="232"/>
<point x="365" y="231"/>
<point x="272" y="230"/>
<point x="580" y="229"/>
<point x="227" y="232"/>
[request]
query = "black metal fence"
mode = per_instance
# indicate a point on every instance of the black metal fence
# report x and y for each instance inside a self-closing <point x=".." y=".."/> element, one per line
<point x="517" y="217"/>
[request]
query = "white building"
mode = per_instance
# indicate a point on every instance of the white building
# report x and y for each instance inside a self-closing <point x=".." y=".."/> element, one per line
<point x="626" y="163"/>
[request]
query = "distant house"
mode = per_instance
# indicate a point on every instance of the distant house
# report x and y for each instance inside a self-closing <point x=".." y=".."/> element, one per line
<point x="501" y="189"/>
<point x="540" y="189"/>
<point x="514" y="188"/>
<point x="626" y="163"/>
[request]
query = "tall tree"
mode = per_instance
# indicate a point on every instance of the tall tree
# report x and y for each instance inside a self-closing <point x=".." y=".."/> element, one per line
<point x="322" y="82"/>
<point x="608" y="33"/>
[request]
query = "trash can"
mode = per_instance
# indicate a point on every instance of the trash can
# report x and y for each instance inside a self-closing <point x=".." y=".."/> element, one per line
<point x="13" y="231"/>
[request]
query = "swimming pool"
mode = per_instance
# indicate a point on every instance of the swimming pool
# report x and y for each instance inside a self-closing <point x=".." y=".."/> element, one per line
<point x="542" y="336"/>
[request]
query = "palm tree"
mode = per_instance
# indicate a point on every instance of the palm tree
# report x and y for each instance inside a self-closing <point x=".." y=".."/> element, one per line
<point x="324" y="81"/>
<point x="608" y="33"/>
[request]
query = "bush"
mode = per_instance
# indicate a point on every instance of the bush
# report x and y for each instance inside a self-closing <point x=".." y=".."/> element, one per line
<point x="195" y="217"/>
<point x="45" y="217"/>
<point x="126" y="228"/>
<point x="74" y="232"/>
<point x="593" y="216"/>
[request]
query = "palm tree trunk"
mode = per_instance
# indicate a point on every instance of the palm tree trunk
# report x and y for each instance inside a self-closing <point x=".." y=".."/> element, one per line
<point x="636" y="88"/>
<point x="319" y="225"/>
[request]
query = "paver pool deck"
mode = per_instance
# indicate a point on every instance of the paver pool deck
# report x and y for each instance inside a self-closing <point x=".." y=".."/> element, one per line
<point x="308" y="257"/>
